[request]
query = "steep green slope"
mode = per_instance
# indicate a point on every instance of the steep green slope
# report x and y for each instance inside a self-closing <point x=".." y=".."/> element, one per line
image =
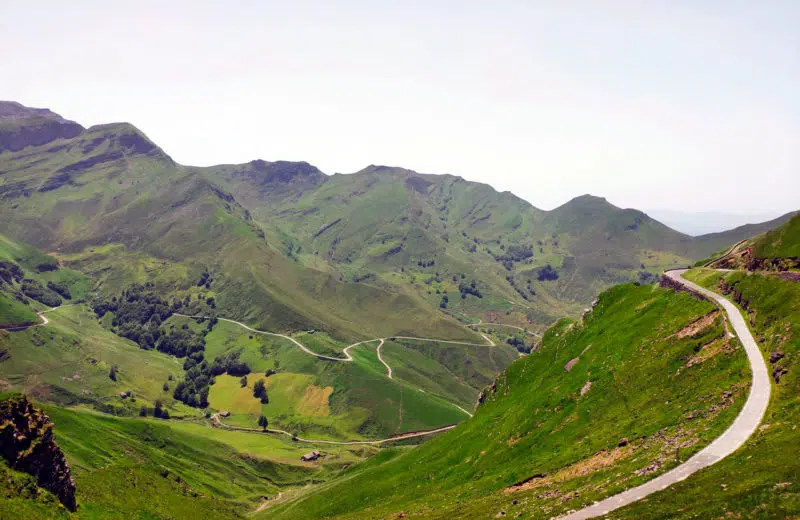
<point x="112" y="192"/>
<point x="430" y="233"/>
<point x="782" y="242"/>
<point x="31" y="281"/>
<point x="69" y="360"/>
<point x="775" y="250"/>
<point x="723" y="240"/>
<point x="148" y="468"/>
<point x="761" y="480"/>
<point x="646" y="380"/>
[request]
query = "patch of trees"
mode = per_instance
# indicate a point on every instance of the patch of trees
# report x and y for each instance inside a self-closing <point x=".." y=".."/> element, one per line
<point x="10" y="272"/>
<point x="60" y="288"/>
<point x="138" y="314"/>
<point x="469" y="288"/>
<point x="230" y="363"/>
<point x="519" y="344"/>
<point x="34" y="290"/>
<point x="546" y="273"/>
<point x="205" y="279"/>
<point x="181" y="342"/>
<point x="193" y="390"/>
<point x="512" y="254"/>
<point x="426" y="263"/>
<point x="444" y="302"/>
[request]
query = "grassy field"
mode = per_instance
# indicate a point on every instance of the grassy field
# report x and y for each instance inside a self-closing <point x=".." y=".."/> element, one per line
<point x="644" y="390"/>
<point x="762" y="479"/>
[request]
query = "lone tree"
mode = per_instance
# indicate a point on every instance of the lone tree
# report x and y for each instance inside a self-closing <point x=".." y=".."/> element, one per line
<point x="143" y="411"/>
<point x="243" y="381"/>
<point x="165" y="387"/>
<point x="262" y="421"/>
<point x="260" y="391"/>
<point x="158" y="411"/>
<point x="112" y="374"/>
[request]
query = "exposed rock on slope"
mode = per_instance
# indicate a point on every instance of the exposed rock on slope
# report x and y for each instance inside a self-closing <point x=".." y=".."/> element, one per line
<point x="21" y="126"/>
<point x="26" y="442"/>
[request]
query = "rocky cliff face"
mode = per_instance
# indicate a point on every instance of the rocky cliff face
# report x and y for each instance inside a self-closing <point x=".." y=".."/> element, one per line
<point x="21" y="126"/>
<point x="26" y="442"/>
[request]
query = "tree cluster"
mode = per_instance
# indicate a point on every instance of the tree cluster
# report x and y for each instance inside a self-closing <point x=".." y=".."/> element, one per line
<point x="546" y="273"/>
<point x="515" y="253"/>
<point x="60" y="288"/>
<point x="138" y="314"/>
<point x="34" y="290"/>
<point x="10" y="272"/>
<point x="205" y="279"/>
<point x="230" y="363"/>
<point x="469" y="288"/>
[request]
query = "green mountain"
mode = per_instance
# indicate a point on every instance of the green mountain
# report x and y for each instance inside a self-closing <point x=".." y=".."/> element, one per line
<point x="291" y="248"/>
<point x="129" y="265"/>
<point x="646" y="379"/>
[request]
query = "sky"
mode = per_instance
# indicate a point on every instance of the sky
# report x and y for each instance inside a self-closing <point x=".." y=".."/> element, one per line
<point x="686" y="106"/>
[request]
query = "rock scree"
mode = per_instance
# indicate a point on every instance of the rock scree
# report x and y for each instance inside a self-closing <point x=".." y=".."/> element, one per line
<point x="27" y="443"/>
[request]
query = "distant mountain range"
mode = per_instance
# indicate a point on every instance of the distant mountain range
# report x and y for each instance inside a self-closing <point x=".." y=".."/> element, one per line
<point x="382" y="251"/>
<point x="705" y="222"/>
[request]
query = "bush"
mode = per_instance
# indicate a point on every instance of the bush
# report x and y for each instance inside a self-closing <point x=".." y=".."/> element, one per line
<point x="61" y="288"/>
<point x="260" y="391"/>
<point x="546" y="273"/>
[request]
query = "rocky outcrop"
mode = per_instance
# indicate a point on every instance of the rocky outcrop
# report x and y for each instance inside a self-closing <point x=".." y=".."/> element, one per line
<point x="27" y="443"/>
<point x="669" y="283"/>
<point x="21" y="126"/>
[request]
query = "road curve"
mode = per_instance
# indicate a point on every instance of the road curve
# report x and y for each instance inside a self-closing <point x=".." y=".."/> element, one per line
<point x="734" y="437"/>
<point x="215" y="418"/>
<point x="380" y="358"/>
<point x="41" y="314"/>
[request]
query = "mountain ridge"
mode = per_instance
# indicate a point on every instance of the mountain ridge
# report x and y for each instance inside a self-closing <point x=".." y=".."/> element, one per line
<point x="452" y="249"/>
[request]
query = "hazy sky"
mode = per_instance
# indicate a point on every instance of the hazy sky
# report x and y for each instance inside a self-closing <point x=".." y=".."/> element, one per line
<point x="688" y="105"/>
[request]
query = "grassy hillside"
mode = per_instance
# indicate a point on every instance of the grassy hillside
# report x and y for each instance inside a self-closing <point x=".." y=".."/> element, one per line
<point x="341" y="400"/>
<point x="646" y="380"/>
<point x="775" y="250"/>
<point x="762" y="479"/>
<point x="31" y="281"/>
<point x="148" y="468"/>
<point x="782" y="242"/>
<point x="429" y="234"/>
<point x="69" y="360"/>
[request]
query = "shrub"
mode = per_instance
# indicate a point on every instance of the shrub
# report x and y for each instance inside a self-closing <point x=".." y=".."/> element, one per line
<point x="260" y="391"/>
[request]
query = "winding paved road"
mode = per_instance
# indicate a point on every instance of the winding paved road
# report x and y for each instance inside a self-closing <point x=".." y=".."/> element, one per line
<point x="734" y="437"/>
<point x="346" y="351"/>
<point x="216" y="419"/>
